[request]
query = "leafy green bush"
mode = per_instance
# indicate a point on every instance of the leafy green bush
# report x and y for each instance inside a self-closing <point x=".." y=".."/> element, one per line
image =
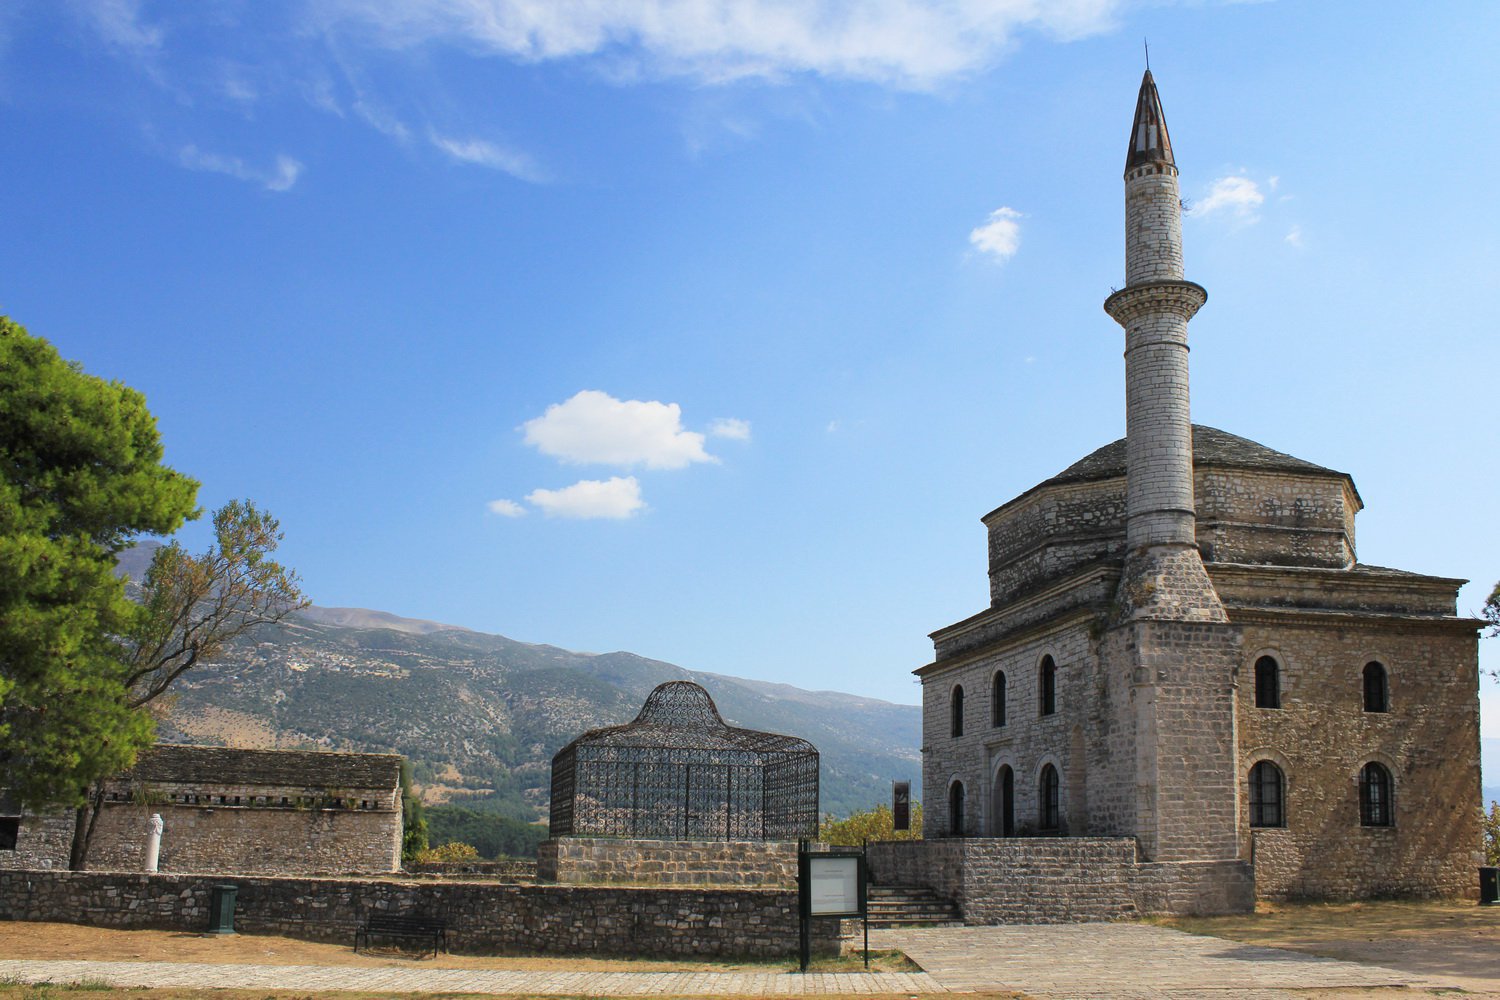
<point x="493" y="834"/>
<point x="870" y="824"/>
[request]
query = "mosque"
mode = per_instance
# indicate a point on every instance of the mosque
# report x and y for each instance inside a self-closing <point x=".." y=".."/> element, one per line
<point x="1182" y="648"/>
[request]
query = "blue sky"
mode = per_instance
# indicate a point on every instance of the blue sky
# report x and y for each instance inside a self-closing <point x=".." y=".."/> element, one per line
<point x="709" y="329"/>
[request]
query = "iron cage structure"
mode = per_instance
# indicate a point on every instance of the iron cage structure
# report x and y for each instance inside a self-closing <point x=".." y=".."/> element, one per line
<point x="680" y="772"/>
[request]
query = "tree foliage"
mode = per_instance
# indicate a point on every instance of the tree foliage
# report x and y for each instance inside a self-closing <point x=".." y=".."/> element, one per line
<point x="493" y="835"/>
<point x="81" y="475"/>
<point x="871" y="824"/>
<point x="1490" y="823"/>
<point x="413" y="821"/>
<point x="1492" y="610"/>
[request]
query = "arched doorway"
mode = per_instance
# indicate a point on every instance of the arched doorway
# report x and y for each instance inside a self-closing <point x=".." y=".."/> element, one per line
<point x="956" y="809"/>
<point x="1005" y="802"/>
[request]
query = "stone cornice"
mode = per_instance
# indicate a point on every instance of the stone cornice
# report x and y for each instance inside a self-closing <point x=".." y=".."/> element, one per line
<point x="1182" y="297"/>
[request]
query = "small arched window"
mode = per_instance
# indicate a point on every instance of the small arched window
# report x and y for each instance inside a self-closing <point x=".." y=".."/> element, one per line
<point x="1267" y="795"/>
<point x="1377" y="688"/>
<point x="1375" y="806"/>
<point x="1048" y="792"/>
<point x="957" y="708"/>
<point x="956" y="809"/>
<point x="1267" y="683"/>
<point x="1047" y="686"/>
<point x="997" y="700"/>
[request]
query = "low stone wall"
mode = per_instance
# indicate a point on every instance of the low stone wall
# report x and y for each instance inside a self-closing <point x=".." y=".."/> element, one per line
<point x="509" y="870"/>
<point x="1060" y="879"/>
<point x="484" y="917"/>
<point x="594" y="860"/>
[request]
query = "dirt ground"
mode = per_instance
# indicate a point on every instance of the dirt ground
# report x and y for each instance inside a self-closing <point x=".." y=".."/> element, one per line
<point x="1459" y="942"/>
<point x="72" y="941"/>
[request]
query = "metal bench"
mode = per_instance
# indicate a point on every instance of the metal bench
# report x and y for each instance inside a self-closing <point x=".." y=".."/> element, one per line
<point x="431" y="931"/>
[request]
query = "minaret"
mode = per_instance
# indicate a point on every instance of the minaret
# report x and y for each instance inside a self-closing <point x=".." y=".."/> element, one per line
<point x="1164" y="571"/>
<point x="1169" y="652"/>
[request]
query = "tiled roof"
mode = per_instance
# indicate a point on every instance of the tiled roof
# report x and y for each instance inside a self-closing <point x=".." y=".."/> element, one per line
<point x="1211" y="446"/>
<point x="185" y="764"/>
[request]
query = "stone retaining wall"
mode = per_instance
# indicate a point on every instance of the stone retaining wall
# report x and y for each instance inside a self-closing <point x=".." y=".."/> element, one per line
<point x="484" y="917"/>
<point x="1045" y="880"/>
<point x="509" y="870"/>
<point x="596" y="860"/>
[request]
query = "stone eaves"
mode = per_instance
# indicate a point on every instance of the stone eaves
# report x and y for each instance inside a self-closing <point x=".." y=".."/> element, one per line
<point x="177" y="763"/>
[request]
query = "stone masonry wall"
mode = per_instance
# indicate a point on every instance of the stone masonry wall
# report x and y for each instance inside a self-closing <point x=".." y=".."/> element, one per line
<point x="231" y="839"/>
<point x="584" y="860"/>
<point x="485" y="918"/>
<point x="1060" y="880"/>
<point x="1321" y="737"/>
<point x="1026" y="742"/>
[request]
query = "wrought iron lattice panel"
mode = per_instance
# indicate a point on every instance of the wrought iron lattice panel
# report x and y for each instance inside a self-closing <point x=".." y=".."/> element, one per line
<point x="679" y="772"/>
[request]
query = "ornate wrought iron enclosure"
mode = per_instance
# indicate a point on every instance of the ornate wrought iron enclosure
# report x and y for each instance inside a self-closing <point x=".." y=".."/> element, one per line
<point x="679" y="772"/>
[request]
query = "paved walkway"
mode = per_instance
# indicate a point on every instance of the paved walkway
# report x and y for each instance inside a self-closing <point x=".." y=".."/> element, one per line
<point x="420" y="980"/>
<point x="1123" y="962"/>
<point x="1114" y="961"/>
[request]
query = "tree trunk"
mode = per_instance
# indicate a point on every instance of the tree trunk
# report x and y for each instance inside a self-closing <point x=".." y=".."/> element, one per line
<point x="85" y="818"/>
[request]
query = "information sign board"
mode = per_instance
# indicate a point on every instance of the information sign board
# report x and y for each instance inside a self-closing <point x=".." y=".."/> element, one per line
<point x="834" y="886"/>
<point x="901" y="805"/>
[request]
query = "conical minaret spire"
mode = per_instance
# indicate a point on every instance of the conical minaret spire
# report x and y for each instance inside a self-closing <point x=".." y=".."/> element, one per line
<point x="1154" y="308"/>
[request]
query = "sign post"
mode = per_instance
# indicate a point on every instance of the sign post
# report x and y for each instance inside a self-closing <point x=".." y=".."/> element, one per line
<point x="830" y="884"/>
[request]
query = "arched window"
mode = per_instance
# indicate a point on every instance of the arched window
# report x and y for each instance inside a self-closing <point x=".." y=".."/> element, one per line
<point x="956" y="810"/>
<point x="1377" y="689"/>
<point x="1047" y="686"/>
<point x="1266" y="795"/>
<point x="957" y="707"/>
<point x="997" y="700"/>
<point x="1005" y="801"/>
<point x="1375" y="806"/>
<point x="1047" y="793"/>
<point x="1267" y="683"/>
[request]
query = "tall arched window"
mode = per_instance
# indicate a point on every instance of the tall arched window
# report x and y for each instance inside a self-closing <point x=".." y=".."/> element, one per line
<point x="956" y="810"/>
<point x="1048" y="792"/>
<point x="1377" y="689"/>
<point x="1375" y="805"/>
<point x="1267" y="795"/>
<point x="957" y="707"/>
<point x="1267" y="683"/>
<point x="1047" y="686"/>
<point x="997" y="700"/>
<point x="1005" y="801"/>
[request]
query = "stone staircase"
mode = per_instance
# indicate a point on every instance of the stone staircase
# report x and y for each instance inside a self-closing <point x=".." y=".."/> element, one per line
<point x="911" y="906"/>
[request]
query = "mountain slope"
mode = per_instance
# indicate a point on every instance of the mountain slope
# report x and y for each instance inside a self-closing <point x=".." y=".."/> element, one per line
<point x="482" y="715"/>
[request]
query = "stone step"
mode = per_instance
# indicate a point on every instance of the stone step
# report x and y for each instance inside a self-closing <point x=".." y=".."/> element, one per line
<point x="910" y="906"/>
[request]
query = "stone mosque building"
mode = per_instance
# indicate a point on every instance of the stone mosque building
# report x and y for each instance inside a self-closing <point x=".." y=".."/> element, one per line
<point x="1182" y="648"/>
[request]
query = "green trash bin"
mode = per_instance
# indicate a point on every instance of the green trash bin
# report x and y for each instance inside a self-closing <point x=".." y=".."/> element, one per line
<point x="221" y="909"/>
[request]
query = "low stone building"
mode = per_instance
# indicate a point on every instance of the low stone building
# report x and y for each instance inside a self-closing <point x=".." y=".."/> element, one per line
<point x="228" y="810"/>
<point x="1183" y="651"/>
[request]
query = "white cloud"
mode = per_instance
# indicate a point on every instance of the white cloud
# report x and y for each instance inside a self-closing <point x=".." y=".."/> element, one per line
<point x="278" y="177"/>
<point x="1000" y="236"/>
<point x="1294" y="236"/>
<point x="730" y="427"/>
<point x="594" y="427"/>
<point x="617" y="497"/>
<point x="119" y="23"/>
<point x="483" y="153"/>
<point x="912" y="43"/>
<point x="382" y="120"/>
<point x="506" y="508"/>
<point x="1236" y="194"/>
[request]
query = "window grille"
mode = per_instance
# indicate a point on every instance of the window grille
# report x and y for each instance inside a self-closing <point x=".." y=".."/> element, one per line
<point x="1375" y="796"/>
<point x="1051" y="817"/>
<point x="1267" y="795"/>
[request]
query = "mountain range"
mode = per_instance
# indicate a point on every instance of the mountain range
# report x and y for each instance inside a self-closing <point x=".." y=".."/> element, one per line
<point x="479" y="716"/>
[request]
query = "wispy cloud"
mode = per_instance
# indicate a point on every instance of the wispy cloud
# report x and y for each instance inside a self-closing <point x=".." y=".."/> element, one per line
<point x="119" y="24"/>
<point x="1235" y="195"/>
<point x="1000" y="236"/>
<point x="382" y="120"/>
<point x="280" y="176"/>
<point x="730" y="427"/>
<point x="506" y="508"/>
<point x="909" y="43"/>
<point x="1294" y="236"/>
<point x="615" y="498"/>
<point x="483" y="153"/>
